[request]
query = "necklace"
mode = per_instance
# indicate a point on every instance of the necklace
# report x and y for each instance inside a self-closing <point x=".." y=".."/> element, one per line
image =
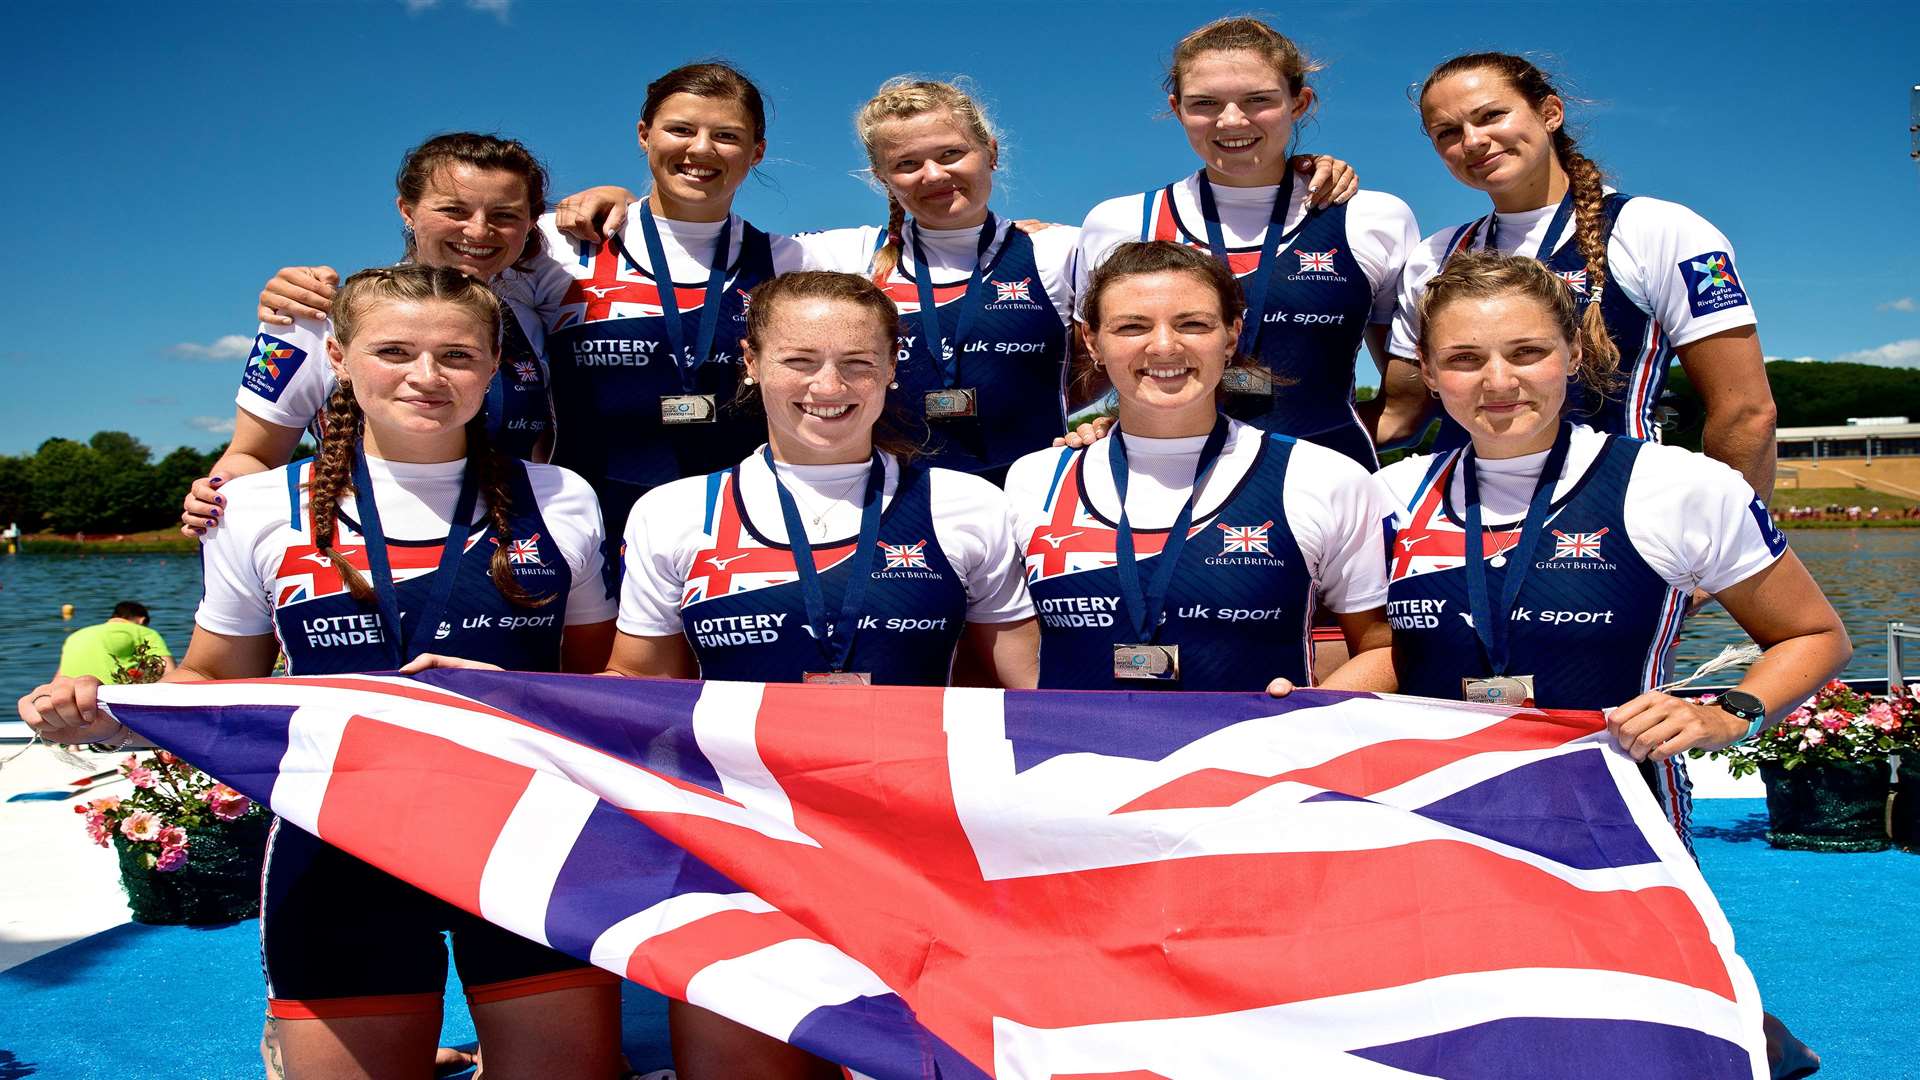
<point x="817" y="522"/>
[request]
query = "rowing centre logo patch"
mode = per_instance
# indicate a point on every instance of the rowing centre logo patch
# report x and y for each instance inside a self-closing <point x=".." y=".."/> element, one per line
<point x="1712" y="283"/>
<point x="271" y="365"/>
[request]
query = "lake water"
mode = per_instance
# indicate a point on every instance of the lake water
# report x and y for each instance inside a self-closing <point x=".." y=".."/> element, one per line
<point x="1871" y="575"/>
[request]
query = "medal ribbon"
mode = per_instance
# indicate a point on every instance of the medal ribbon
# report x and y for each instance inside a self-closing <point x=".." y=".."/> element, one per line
<point x="686" y="362"/>
<point x="948" y="357"/>
<point x="834" y="638"/>
<point x="1144" y="608"/>
<point x="1490" y="623"/>
<point x="1271" y="242"/>
<point x="1548" y="242"/>
<point x="386" y="595"/>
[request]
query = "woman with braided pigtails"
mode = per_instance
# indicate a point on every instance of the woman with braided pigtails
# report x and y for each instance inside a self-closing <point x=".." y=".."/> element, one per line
<point x="1655" y="276"/>
<point x="410" y="542"/>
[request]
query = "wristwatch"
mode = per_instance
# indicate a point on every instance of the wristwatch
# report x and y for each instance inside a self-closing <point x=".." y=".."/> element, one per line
<point x="1747" y="707"/>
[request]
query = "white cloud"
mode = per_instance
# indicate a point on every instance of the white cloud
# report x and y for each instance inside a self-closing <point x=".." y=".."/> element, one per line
<point x="1901" y="354"/>
<point x="230" y="347"/>
<point x="497" y="8"/>
<point x="212" y="425"/>
<point x="1905" y="303"/>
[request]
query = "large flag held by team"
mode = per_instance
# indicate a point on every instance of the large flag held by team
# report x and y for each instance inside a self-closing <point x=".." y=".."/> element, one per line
<point x="920" y="882"/>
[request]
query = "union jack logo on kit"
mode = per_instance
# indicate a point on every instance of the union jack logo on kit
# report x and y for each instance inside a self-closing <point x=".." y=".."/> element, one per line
<point x="1575" y="279"/>
<point x="905" y="556"/>
<point x="1012" y="290"/>
<point x="1316" y="262"/>
<point x="526" y="371"/>
<point x="523" y="552"/>
<point x="1580" y="545"/>
<point x="1245" y="538"/>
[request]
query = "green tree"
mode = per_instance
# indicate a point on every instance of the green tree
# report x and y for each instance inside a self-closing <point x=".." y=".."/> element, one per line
<point x="16" y="493"/>
<point x="1807" y="395"/>
<point x="173" y="475"/>
<point x="131" y="499"/>
<point x="66" y="486"/>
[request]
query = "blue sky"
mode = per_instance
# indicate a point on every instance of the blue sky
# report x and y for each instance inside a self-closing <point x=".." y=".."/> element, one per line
<point x="166" y="158"/>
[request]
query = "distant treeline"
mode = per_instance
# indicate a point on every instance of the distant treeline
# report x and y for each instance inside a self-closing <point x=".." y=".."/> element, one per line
<point x="1808" y="395"/>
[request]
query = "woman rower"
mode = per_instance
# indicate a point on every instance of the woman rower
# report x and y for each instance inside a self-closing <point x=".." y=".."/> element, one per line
<point x="1484" y="609"/>
<point x="400" y="532"/>
<point x="466" y="201"/>
<point x="826" y="556"/>
<point x="1190" y="551"/>
<point x="1317" y="282"/>
<point x="1656" y="277"/>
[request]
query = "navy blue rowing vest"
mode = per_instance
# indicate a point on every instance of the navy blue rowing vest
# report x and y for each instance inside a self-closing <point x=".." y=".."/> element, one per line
<point x="741" y="627"/>
<point x="1594" y="624"/>
<point x="1318" y="304"/>
<point x="1239" y="606"/>
<point x="1645" y="352"/>
<point x="325" y="631"/>
<point x="610" y="366"/>
<point x="520" y="389"/>
<point x="1017" y="363"/>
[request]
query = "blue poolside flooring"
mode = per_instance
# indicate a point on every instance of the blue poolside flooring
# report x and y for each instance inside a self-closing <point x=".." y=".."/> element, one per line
<point x="1833" y="941"/>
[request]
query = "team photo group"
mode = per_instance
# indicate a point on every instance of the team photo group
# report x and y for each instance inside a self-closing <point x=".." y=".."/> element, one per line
<point x="624" y="432"/>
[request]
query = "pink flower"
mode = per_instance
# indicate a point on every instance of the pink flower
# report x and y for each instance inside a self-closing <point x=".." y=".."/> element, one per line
<point x="172" y="858"/>
<point x="1799" y="717"/>
<point x="141" y="825"/>
<point x="166" y="757"/>
<point x="97" y="828"/>
<point x="1882" y="716"/>
<point x="226" y="803"/>
<point x="1811" y="737"/>
<point x="106" y="803"/>
<point x="1835" y="719"/>
<point x="141" y="776"/>
<point x="173" y="836"/>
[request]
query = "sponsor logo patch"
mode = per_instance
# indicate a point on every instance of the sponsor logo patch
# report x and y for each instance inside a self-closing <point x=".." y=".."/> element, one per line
<point x="1775" y="539"/>
<point x="1712" y="283"/>
<point x="271" y="365"/>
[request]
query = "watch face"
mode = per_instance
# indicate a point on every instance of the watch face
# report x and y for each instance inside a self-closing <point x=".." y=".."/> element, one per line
<point x="1742" y="703"/>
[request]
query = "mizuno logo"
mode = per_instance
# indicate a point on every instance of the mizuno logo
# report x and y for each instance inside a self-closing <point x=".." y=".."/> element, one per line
<point x="721" y="564"/>
<point x="600" y="291"/>
<point x="1407" y="542"/>
<point x="1056" y="541"/>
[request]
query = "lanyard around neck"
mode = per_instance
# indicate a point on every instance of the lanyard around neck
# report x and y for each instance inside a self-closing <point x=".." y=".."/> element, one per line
<point x="1550" y="241"/>
<point x="386" y="595"/>
<point x="947" y="354"/>
<point x="1490" y="624"/>
<point x="1145" y="606"/>
<point x="833" y="637"/>
<point x="1271" y="243"/>
<point x="686" y="361"/>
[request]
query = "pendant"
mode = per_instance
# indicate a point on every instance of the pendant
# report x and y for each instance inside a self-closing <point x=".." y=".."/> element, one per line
<point x="952" y="403"/>
<point x="1154" y="663"/>
<point x="837" y="678"/>
<point x="1252" y="380"/>
<point x="1516" y="690"/>
<point x="688" y="408"/>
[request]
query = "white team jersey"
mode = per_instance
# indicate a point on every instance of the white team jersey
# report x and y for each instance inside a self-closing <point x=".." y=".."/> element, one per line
<point x="952" y="252"/>
<point x="1334" y="507"/>
<point x="1654" y="246"/>
<point x="670" y="525"/>
<point x="1693" y="520"/>
<point x="258" y="535"/>
<point x="287" y="379"/>
<point x="1381" y="229"/>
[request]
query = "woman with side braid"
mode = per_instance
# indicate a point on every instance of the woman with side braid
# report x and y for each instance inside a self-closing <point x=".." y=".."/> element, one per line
<point x="1656" y="277"/>
<point x="343" y="563"/>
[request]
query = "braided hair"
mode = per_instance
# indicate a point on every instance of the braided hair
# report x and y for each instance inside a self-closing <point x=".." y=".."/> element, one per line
<point x="1585" y="181"/>
<point x="344" y="424"/>
<point x="903" y="98"/>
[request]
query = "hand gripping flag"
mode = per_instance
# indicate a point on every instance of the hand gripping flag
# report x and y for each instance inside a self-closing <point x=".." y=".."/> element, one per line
<point x="921" y="882"/>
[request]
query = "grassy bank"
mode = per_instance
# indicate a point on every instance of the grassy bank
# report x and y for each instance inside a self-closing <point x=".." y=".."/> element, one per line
<point x="156" y="541"/>
<point x="1785" y="499"/>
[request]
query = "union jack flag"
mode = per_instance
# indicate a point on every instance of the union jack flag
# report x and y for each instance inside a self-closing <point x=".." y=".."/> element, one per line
<point x="924" y="881"/>
<point x="526" y="371"/>
<point x="1580" y="545"/>
<point x="905" y="556"/>
<point x="522" y="551"/>
<point x="1245" y="538"/>
<point x="1575" y="279"/>
<point x="1012" y="290"/>
<point x="1320" y="262"/>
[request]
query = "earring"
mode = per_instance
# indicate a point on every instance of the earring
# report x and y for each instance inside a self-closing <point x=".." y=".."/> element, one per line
<point x="1432" y="393"/>
<point x="747" y="379"/>
<point x="894" y="385"/>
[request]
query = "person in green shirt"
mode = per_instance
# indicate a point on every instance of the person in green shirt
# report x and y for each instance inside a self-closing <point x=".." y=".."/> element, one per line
<point x="101" y="650"/>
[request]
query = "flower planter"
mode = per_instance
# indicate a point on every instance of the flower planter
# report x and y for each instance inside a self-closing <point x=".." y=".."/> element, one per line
<point x="1904" y="820"/>
<point x="220" y="882"/>
<point x="1827" y="807"/>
